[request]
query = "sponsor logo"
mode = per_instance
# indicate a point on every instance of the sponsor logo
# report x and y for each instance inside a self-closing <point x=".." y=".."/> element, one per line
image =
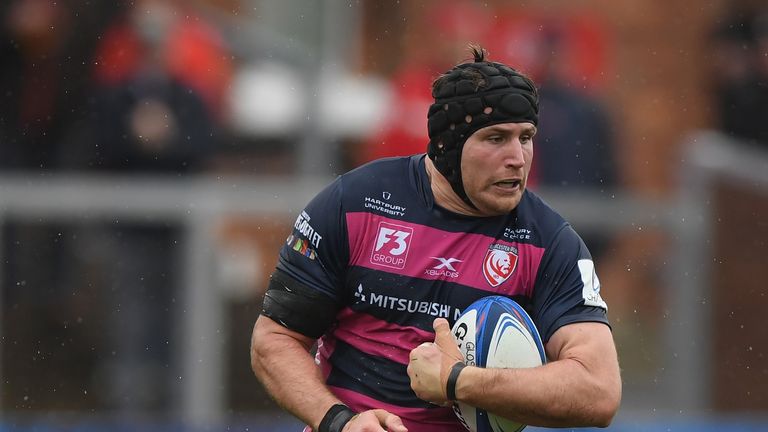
<point x="517" y="234"/>
<point x="499" y="263"/>
<point x="391" y="246"/>
<point x="383" y="206"/>
<point x="434" y="309"/>
<point x="359" y="294"/>
<point x="305" y="229"/>
<point x="591" y="290"/>
<point x="444" y="268"/>
<point x="301" y="246"/>
<point x="445" y="263"/>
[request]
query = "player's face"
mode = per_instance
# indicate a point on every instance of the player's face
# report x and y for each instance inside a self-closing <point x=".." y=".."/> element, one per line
<point x="495" y="164"/>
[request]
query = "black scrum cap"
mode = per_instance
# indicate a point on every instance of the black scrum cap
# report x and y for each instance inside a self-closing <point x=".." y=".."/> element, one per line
<point x="469" y="97"/>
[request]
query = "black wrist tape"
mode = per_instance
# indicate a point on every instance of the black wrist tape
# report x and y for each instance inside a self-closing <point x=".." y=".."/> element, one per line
<point x="335" y="419"/>
<point x="450" y="386"/>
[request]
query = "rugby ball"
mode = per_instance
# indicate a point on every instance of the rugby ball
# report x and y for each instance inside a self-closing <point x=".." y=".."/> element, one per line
<point x="495" y="332"/>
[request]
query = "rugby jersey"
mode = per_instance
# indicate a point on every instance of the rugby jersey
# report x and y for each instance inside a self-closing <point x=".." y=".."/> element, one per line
<point x="375" y="242"/>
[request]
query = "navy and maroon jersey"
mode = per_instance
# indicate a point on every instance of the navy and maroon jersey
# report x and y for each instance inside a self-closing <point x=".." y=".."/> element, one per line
<point x="376" y="243"/>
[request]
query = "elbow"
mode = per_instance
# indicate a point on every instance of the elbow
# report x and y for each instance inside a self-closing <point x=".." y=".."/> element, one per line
<point x="590" y="407"/>
<point x="594" y="405"/>
<point x="606" y="407"/>
<point x="603" y="416"/>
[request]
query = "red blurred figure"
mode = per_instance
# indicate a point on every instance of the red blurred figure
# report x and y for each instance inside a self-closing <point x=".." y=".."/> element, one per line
<point x="168" y="36"/>
<point x="511" y="35"/>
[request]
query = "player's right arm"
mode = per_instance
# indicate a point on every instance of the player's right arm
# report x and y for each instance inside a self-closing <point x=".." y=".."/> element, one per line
<point x="300" y="305"/>
<point x="280" y="359"/>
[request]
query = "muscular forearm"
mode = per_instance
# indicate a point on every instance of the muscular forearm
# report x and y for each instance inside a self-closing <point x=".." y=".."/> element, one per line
<point x="561" y="393"/>
<point x="288" y="372"/>
<point x="581" y="386"/>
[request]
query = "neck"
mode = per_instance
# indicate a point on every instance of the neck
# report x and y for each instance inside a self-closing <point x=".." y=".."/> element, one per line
<point x="444" y="194"/>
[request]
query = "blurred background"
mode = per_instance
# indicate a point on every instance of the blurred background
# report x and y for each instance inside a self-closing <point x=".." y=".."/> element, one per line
<point x="154" y="153"/>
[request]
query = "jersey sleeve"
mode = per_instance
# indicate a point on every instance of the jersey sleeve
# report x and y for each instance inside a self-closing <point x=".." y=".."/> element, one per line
<point x="316" y="252"/>
<point x="567" y="288"/>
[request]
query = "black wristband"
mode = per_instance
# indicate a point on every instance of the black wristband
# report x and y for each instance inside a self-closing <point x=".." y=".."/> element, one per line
<point x="450" y="386"/>
<point x="335" y="419"/>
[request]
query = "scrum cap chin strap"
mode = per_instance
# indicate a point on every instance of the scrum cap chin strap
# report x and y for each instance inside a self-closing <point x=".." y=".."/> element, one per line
<point x="462" y="107"/>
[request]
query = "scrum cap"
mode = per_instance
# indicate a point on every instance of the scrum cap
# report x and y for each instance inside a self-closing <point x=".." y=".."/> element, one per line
<point x="469" y="97"/>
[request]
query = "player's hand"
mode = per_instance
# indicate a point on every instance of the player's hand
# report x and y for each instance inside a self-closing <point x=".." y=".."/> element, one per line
<point x="377" y="420"/>
<point x="431" y="362"/>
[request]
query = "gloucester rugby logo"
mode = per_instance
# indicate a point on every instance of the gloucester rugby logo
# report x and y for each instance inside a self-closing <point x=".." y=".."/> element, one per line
<point x="499" y="263"/>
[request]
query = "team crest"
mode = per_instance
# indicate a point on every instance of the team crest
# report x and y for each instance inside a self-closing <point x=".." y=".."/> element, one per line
<point x="499" y="263"/>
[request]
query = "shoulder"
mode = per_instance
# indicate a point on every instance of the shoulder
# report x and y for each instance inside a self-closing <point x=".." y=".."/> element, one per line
<point x="536" y="205"/>
<point x="380" y="169"/>
<point x="363" y="179"/>
<point x="542" y="218"/>
<point x="391" y="180"/>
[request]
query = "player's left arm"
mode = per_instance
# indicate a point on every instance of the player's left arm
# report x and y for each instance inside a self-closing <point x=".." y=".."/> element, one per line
<point x="580" y="386"/>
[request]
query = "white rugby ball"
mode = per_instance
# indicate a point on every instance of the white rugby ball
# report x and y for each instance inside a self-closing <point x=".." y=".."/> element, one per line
<point x="495" y="332"/>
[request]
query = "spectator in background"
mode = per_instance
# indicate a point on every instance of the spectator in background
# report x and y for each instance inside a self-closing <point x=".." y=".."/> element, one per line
<point x="160" y="74"/>
<point x="741" y="76"/>
<point x="170" y="37"/>
<point x="46" y="49"/>
<point x="574" y="146"/>
<point x="152" y="123"/>
<point x="45" y="52"/>
<point x="575" y="143"/>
